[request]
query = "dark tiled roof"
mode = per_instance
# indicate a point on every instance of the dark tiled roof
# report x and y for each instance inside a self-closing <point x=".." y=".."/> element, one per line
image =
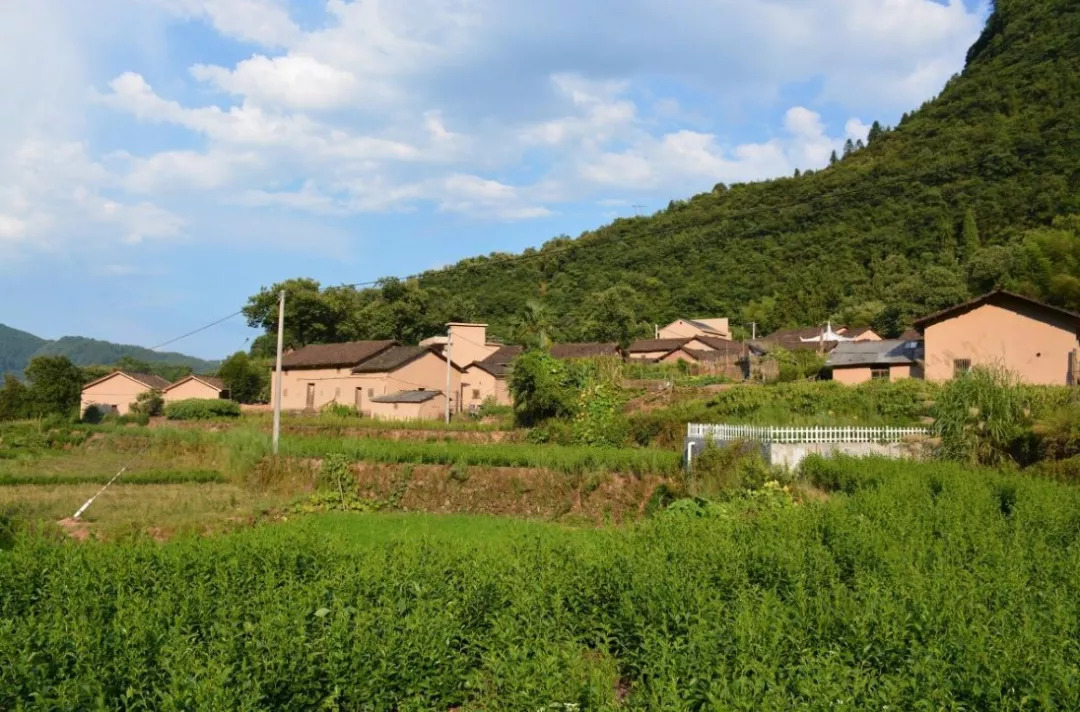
<point x="647" y="345"/>
<point x="703" y="326"/>
<point x="498" y="363"/>
<point x="1000" y="297"/>
<point x="721" y="351"/>
<point x="722" y="345"/>
<point x="407" y="397"/>
<point x="875" y="353"/>
<point x="391" y="359"/>
<point x="148" y="379"/>
<point x="792" y="339"/>
<point x="585" y="350"/>
<point x="350" y="353"/>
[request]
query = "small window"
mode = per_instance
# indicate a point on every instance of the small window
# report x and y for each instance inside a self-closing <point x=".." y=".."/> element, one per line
<point x="476" y="394"/>
<point x="961" y="366"/>
<point x="395" y="406"/>
<point x="879" y="374"/>
<point x="284" y="392"/>
<point x="371" y="393"/>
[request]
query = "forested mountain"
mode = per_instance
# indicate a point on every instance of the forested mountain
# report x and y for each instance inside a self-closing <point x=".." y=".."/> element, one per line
<point x="978" y="188"/>
<point x="18" y="347"/>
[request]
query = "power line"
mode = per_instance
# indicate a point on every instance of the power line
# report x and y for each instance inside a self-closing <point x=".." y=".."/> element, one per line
<point x="196" y="331"/>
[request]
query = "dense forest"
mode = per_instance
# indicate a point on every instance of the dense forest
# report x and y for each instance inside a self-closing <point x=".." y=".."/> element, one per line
<point x="18" y="348"/>
<point x="978" y="188"/>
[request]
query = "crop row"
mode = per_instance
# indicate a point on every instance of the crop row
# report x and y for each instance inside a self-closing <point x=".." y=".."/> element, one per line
<point x="560" y="458"/>
<point x="910" y="587"/>
<point x="144" y="477"/>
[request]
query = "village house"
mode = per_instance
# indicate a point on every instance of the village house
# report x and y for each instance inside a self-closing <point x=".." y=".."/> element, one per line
<point x="116" y="392"/>
<point x="854" y="362"/>
<point x="316" y="375"/>
<point x="194" y="386"/>
<point x="1036" y="342"/>
<point x="690" y="328"/>
<point x="399" y="371"/>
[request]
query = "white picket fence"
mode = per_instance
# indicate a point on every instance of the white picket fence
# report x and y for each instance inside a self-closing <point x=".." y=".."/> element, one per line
<point x="768" y="434"/>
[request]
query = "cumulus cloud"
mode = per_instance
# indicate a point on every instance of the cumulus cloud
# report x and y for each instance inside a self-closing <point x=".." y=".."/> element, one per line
<point x="490" y="109"/>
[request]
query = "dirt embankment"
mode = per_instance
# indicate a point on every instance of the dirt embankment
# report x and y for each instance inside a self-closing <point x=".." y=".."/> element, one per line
<point x="505" y="491"/>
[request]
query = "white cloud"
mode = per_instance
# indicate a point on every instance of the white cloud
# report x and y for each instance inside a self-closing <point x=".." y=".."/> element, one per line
<point x="261" y="21"/>
<point x="11" y="228"/>
<point x="293" y="81"/>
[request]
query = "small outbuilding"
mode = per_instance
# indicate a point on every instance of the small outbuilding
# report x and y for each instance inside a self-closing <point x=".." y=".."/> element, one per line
<point x="194" y="386"/>
<point x="408" y="405"/>
<point x="855" y="362"/>
<point x="116" y="392"/>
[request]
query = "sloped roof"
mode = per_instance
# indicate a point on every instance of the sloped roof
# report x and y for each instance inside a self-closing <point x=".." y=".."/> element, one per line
<point x="147" y="379"/>
<point x="211" y="381"/>
<point x="585" y="350"/>
<point x="350" y="353"/>
<point x="875" y="353"/>
<point x="722" y="349"/>
<point x="498" y="363"/>
<point x="705" y="325"/>
<point x="407" y="397"/>
<point x="1001" y="297"/>
<point x="722" y="345"/>
<point x="792" y="339"/>
<point x="648" y="345"/>
<point x="392" y="359"/>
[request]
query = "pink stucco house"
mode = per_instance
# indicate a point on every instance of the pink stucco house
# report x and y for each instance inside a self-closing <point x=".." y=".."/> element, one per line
<point x="194" y="386"/>
<point x="117" y="391"/>
<point x="854" y="362"/>
<point x="1036" y="342"/>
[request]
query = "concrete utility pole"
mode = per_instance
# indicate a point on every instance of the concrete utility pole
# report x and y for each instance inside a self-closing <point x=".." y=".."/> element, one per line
<point x="277" y="384"/>
<point x="753" y="331"/>
<point x="449" y="331"/>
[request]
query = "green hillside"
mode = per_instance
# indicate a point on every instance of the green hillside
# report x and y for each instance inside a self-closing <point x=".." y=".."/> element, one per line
<point x="18" y="347"/>
<point x="978" y="188"/>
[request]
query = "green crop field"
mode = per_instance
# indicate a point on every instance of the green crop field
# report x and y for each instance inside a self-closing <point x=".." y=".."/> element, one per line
<point x="901" y="587"/>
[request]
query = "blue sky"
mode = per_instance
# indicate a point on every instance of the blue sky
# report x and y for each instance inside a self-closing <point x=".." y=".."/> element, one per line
<point x="161" y="160"/>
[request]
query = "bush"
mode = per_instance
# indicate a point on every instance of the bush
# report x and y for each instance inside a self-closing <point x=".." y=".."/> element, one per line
<point x="980" y="416"/>
<point x="1059" y="432"/>
<point x="202" y="409"/>
<point x="338" y="410"/>
<point x="148" y="403"/>
<point x="94" y="414"/>
<point x="720" y="470"/>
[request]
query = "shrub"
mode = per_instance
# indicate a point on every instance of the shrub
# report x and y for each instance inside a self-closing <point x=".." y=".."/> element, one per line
<point x="541" y="387"/>
<point x="338" y="410"/>
<point x="201" y="409"/>
<point x="1059" y="432"/>
<point x="148" y="403"/>
<point x="720" y="470"/>
<point x="94" y="414"/>
<point x="979" y="417"/>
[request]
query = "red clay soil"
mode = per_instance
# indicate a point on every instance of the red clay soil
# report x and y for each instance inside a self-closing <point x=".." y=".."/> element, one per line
<point x="75" y="528"/>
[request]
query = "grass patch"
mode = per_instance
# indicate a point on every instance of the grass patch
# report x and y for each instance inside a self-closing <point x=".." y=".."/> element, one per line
<point x="559" y="458"/>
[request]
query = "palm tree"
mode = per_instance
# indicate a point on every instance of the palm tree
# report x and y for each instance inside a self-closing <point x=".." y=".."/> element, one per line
<point x="532" y="327"/>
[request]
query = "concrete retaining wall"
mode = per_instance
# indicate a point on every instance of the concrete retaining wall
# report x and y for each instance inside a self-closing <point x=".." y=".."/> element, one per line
<point x="790" y="455"/>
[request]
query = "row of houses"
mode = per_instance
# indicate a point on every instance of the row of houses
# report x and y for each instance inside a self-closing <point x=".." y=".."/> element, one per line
<point x="119" y="390"/>
<point x="387" y="379"/>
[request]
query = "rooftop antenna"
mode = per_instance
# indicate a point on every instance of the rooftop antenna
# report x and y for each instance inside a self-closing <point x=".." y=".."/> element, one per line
<point x="638" y="207"/>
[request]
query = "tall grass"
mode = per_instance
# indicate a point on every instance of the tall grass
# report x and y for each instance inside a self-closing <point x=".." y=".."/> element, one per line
<point x="911" y="587"/>
<point x="560" y="458"/>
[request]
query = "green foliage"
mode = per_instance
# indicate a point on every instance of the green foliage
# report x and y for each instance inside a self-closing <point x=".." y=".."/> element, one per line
<point x="14" y="399"/>
<point x="979" y="416"/>
<point x="1059" y="432"/>
<point x="55" y="386"/>
<point x="718" y="472"/>
<point x="148" y="403"/>
<point x="574" y="459"/>
<point x="247" y="379"/>
<point x="936" y="588"/>
<point x="16" y="350"/>
<point x="541" y="387"/>
<point x="798" y="365"/>
<point x="338" y="410"/>
<point x="137" y="477"/>
<point x="201" y="409"/>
